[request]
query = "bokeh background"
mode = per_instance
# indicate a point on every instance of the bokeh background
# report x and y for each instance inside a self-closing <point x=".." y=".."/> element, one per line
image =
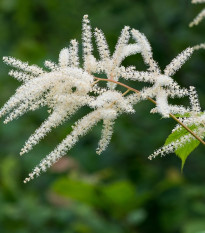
<point x="120" y="191"/>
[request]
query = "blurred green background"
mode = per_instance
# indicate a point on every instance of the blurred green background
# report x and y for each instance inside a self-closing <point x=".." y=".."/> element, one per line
<point x="120" y="191"/>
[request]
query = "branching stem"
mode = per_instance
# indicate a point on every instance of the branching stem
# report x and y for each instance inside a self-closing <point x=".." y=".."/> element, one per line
<point x="154" y="102"/>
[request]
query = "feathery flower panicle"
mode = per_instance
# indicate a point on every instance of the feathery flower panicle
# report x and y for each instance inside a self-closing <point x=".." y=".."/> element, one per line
<point x="146" y="51"/>
<point x="189" y="117"/>
<point x="106" y="112"/>
<point x="106" y="135"/>
<point x="164" y="86"/>
<point x="33" y="69"/>
<point x="111" y="65"/>
<point x="66" y="87"/>
<point x="200" y="16"/>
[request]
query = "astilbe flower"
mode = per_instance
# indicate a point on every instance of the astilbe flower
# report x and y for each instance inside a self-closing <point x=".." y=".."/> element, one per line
<point x="67" y="87"/>
<point x="200" y="16"/>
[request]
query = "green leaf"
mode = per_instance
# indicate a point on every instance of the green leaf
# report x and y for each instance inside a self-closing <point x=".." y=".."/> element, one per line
<point x="184" y="151"/>
<point x="177" y="134"/>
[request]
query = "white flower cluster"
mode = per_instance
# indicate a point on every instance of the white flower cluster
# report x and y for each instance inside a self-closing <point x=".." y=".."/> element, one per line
<point x="66" y="87"/>
<point x="200" y="16"/>
<point x="189" y="117"/>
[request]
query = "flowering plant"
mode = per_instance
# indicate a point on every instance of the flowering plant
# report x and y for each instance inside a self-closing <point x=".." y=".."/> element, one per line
<point x="67" y="87"/>
<point x="200" y="16"/>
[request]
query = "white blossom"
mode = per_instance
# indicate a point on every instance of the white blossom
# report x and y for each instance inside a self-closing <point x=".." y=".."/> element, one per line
<point x="106" y="135"/>
<point x="190" y="117"/>
<point x="179" y="143"/>
<point x="200" y="16"/>
<point x="64" y="88"/>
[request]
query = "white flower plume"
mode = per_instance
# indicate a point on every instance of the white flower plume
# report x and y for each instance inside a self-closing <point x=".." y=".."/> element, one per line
<point x="200" y="16"/>
<point x="64" y="88"/>
<point x="163" y="85"/>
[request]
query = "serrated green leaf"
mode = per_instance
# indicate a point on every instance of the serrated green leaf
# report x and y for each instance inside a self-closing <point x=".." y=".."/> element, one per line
<point x="184" y="151"/>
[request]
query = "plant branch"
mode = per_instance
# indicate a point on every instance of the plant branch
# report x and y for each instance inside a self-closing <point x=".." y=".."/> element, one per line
<point x="154" y="102"/>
